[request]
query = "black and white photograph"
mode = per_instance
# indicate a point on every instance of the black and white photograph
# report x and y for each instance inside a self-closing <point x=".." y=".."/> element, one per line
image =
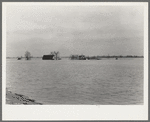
<point x="77" y="55"/>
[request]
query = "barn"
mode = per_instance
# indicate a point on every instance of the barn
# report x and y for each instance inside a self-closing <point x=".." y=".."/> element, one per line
<point x="48" y="57"/>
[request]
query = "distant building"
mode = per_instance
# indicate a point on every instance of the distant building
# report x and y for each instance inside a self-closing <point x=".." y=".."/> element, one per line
<point x="82" y="57"/>
<point x="19" y="59"/>
<point x="48" y="57"/>
<point x="78" y="57"/>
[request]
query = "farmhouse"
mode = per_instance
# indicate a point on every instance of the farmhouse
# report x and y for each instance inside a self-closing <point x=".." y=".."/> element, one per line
<point x="48" y="57"/>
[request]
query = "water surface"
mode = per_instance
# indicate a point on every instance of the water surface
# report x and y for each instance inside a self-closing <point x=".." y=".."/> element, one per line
<point x="103" y="82"/>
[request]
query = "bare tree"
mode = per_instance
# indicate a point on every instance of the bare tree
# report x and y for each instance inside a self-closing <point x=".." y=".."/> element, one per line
<point x="56" y="54"/>
<point x="52" y="53"/>
<point x="27" y="55"/>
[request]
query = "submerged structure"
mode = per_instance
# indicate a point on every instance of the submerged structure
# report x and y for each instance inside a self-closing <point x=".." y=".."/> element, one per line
<point x="19" y="58"/>
<point x="82" y="57"/>
<point x="78" y="57"/>
<point x="48" y="57"/>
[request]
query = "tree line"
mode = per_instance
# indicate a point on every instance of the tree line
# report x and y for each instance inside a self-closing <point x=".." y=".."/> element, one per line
<point x="56" y="54"/>
<point x="28" y="55"/>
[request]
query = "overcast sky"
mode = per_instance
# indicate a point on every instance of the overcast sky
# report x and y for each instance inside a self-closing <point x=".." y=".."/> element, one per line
<point x="89" y="30"/>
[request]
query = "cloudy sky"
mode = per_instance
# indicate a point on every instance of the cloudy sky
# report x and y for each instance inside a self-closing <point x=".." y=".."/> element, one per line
<point x="89" y="30"/>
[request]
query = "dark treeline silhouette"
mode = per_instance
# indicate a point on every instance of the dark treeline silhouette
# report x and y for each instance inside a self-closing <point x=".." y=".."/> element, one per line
<point x="120" y="56"/>
<point x="77" y="57"/>
<point x="83" y="57"/>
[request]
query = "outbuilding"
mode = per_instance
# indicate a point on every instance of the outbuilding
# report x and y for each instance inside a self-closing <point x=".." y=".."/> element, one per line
<point x="48" y="57"/>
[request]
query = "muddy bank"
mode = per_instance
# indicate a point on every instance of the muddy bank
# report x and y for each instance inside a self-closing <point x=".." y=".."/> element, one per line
<point x="14" y="98"/>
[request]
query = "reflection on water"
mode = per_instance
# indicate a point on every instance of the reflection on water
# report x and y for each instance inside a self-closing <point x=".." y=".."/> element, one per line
<point x="103" y="82"/>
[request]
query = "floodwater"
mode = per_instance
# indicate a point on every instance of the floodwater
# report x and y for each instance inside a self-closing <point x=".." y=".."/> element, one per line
<point x="98" y="82"/>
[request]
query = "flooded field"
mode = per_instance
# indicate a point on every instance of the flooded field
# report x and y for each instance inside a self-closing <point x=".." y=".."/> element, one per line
<point x="103" y="82"/>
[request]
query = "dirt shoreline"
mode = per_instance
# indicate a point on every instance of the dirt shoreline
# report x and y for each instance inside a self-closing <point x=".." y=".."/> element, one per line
<point x="14" y="98"/>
